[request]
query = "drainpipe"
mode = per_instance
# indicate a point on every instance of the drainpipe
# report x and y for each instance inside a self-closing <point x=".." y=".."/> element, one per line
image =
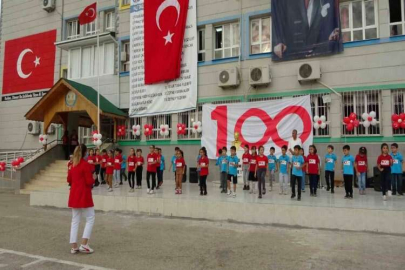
<point x="61" y="38"/>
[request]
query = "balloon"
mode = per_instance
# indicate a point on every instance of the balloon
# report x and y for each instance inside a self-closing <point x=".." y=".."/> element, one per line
<point x="364" y="116"/>
<point x="356" y="123"/>
<point x="395" y="117"/>
<point x="402" y="116"/>
<point x="369" y="118"/>
<point x="316" y="126"/>
<point x="323" y="118"/>
<point x="20" y="159"/>
<point x="366" y="124"/>
<point x="323" y="125"/>
<point x="374" y="122"/>
<point x="316" y="118"/>
<point x="45" y="137"/>
<point x="399" y="121"/>
<point x="395" y="125"/>
<point x="402" y="125"/>
<point x="98" y="142"/>
<point x="353" y="116"/>
<point x="349" y="127"/>
<point x="346" y="120"/>
<point x="373" y="114"/>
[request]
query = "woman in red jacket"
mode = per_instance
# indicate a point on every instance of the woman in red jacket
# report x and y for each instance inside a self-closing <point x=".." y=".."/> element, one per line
<point x="80" y="199"/>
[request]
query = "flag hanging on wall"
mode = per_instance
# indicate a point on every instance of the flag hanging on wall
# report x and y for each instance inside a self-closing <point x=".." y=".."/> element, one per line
<point x="88" y="15"/>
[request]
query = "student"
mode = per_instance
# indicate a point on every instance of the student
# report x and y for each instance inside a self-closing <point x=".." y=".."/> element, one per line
<point x="203" y="164"/>
<point x="123" y="167"/>
<point x="160" y="168"/>
<point x="223" y="162"/>
<point x="218" y="163"/>
<point x="272" y="159"/>
<point x="151" y="169"/>
<point x="348" y="171"/>
<point x="245" y="167"/>
<point x="109" y="170"/>
<point x="298" y="163"/>
<point x="360" y="165"/>
<point x="283" y="166"/>
<point x="104" y="157"/>
<point x="252" y="170"/>
<point x="330" y="161"/>
<point x="384" y="163"/>
<point x="173" y="162"/>
<point x="91" y="159"/>
<point x="131" y="169"/>
<point x="304" y="170"/>
<point x="117" y="168"/>
<point x="313" y="169"/>
<point x="396" y="170"/>
<point x="70" y="164"/>
<point x="139" y="161"/>
<point x="261" y="169"/>
<point x="180" y="165"/>
<point x="233" y="172"/>
<point x="98" y="166"/>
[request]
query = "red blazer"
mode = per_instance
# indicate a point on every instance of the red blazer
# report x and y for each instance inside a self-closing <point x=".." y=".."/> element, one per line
<point x="81" y="179"/>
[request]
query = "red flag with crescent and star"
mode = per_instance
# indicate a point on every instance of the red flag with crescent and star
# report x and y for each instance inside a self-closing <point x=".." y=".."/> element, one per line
<point x="164" y="27"/>
<point x="29" y="63"/>
<point x="88" y="15"/>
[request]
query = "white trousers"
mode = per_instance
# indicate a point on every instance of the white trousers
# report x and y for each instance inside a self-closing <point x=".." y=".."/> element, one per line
<point x="284" y="181"/>
<point x="77" y="213"/>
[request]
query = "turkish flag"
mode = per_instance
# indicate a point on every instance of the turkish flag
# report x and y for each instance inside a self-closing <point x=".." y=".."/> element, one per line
<point x="164" y="27"/>
<point x="88" y="15"/>
<point x="29" y="63"/>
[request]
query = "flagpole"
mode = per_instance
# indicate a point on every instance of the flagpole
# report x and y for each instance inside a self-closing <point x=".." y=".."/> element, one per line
<point x="98" y="69"/>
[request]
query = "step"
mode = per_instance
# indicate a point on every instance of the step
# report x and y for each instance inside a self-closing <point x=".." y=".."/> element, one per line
<point x="47" y="183"/>
<point x="54" y="174"/>
<point x="53" y="170"/>
<point x="43" y="186"/>
<point x="50" y="178"/>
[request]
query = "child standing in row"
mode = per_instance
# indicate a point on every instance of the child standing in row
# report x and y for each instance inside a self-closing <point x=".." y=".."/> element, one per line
<point x="123" y="167"/>
<point x="304" y="170"/>
<point x="109" y="170"/>
<point x="272" y="159"/>
<point x="117" y="168"/>
<point x="283" y="166"/>
<point x="180" y="165"/>
<point x="223" y="165"/>
<point x="384" y="163"/>
<point x="173" y="162"/>
<point x="104" y="157"/>
<point x="396" y="170"/>
<point x="330" y="161"/>
<point x="252" y="171"/>
<point x="233" y="172"/>
<point x="151" y="170"/>
<point x="360" y="164"/>
<point x="348" y="171"/>
<point x="298" y="163"/>
<point x="261" y="170"/>
<point x="203" y="164"/>
<point x="139" y="161"/>
<point x="245" y="167"/>
<point x="98" y="166"/>
<point x="131" y="169"/>
<point x="313" y="169"/>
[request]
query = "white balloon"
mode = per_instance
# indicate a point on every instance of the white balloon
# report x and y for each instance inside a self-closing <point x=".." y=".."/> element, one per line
<point x="316" y="118"/>
<point x="199" y="130"/>
<point x="45" y="137"/>
<point x="323" y="118"/>
<point x="99" y="136"/>
<point x="194" y="130"/>
<point x="44" y="142"/>
<point x="373" y="114"/>
<point x="95" y="136"/>
<point x="323" y="125"/>
<point x="374" y="122"/>
<point x="316" y="125"/>
<point x="364" y="116"/>
<point x="98" y="142"/>
<point x="366" y="124"/>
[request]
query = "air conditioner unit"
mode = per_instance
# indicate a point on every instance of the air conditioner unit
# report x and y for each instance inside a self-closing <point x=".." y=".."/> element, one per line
<point x="309" y="72"/>
<point x="124" y="57"/>
<point x="52" y="129"/>
<point x="48" y="5"/>
<point x="33" y="128"/>
<point x="228" y="78"/>
<point x="259" y="76"/>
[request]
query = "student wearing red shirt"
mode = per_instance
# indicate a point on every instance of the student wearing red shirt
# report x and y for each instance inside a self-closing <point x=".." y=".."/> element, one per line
<point x="312" y="168"/>
<point x="91" y="159"/>
<point x="139" y="161"/>
<point x="384" y="163"/>
<point x="70" y="164"/>
<point x="245" y="167"/>
<point x="304" y="170"/>
<point x="360" y="164"/>
<point x="252" y="169"/>
<point x="151" y="160"/>
<point x="80" y="200"/>
<point x="261" y="169"/>
<point x="131" y="169"/>
<point x="104" y="157"/>
<point x="203" y="164"/>
<point x="117" y="168"/>
<point x="98" y="166"/>
<point x="109" y="171"/>
<point x="180" y="165"/>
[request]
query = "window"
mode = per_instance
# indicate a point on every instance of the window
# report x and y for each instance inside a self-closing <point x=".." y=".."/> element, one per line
<point x="72" y="29"/>
<point x="109" y="21"/>
<point x="74" y="63"/>
<point x="108" y="59"/>
<point x="201" y="45"/>
<point x="320" y="108"/>
<point x="359" y="20"/>
<point x="134" y="122"/>
<point x="64" y="73"/>
<point x="126" y="2"/>
<point x="86" y="63"/>
<point x="156" y="121"/>
<point x="361" y="102"/>
<point x="91" y="28"/>
<point x="227" y="40"/>
<point x="397" y="17"/>
<point x="187" y="118"/>
<point x="260" y="41"/>
<point x="398" y="107"/>
<point x="126" y="52"/>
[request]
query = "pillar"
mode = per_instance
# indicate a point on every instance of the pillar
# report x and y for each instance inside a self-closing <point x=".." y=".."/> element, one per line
<point x="175" y="121"/>
<point x="335" y="118"/>
<point x="386" y="112"/>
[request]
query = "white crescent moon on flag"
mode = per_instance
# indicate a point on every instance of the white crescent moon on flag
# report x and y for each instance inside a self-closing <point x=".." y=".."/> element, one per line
<point x="19" y="62"/>
<point x="163" y="6"/>
<point x="94" y="12"/>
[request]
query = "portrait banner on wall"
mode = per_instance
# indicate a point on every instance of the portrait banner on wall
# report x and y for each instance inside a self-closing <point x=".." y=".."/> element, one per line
<point x="267" y="123"/>
<point x="163" y="25"/>
<point x="305" y="28"/>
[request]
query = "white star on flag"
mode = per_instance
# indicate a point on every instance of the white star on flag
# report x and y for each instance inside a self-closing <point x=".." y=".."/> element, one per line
<point x="36" y="62"/>
<point x="168" y="38"/>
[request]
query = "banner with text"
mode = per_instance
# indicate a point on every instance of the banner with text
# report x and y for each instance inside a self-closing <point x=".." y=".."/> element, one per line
<point x="168" y="97"/>
<point x="267" y="123"/>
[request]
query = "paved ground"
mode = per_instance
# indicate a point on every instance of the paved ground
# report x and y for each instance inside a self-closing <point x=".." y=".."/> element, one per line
<point x="37" y="238"/>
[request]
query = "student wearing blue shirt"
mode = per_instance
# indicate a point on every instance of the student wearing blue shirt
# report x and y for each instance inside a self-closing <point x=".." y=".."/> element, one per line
<point x="217" y="164"/>
<point x="173" y="162"/>
<point x="272" y="159"/>
<point x="283" y="165"/>
<point x="348" y="171"/>
<point x="396" y="170"/>
<point x="330" y="161"/>
<point x="161" y="168"/>
<point x="223" y="168"/>
<point x="123" y="167"/>
<point x="298" y="163"/>
<point x="233" y="171"/>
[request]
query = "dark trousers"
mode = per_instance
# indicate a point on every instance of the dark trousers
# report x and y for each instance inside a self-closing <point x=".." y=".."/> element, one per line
<point x="148" y="176"/>
<point x="159" y="174"/>
<point x="123" y="175"/>
<point x="296" y="179"/>
<point x="102" y="173"/>
<point x="131" y="179"/>
<point x="66" y="150"/>
<point x="313" y="183"/>
<point x="97" y="171"/>
<point x="348" y="184"/>
<point x="396" y="179"/>
<point x="385" y="180"/>
<point x="261" y="177"/>
<point x="139" y="170"/>
<point x="330" y="179"/>
<point x="203" y="183"/>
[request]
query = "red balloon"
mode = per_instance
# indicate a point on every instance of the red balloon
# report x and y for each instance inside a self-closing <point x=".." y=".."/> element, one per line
<point x="356" y="123"/>
<point x="353" y="116"/>
<point x="319" y="122"/>
<point x="346" y="120"/>
<point x="349" y="127"/>
<point x="395" y="125"/>
<point x="20" y="159"/>
<point x="402" y="125"/>
<point x="369" y="118"/>
<point x="394" y="117"/>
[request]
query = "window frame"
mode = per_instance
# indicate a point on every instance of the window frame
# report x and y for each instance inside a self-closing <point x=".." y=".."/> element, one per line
<point x="189" y="116"/>
<point x="231" y="35"/>
<point x="260" y="42"/>
<point x="111" y="20"/>
<point x="156" y="121"/>
<point x="201" y="51"/>
<point x="401" y="23"/>
<point x="394" y="105"/>
<point x="90" y="28"/>
<point x="128" y="53"/>
<point x="69" y="30"/>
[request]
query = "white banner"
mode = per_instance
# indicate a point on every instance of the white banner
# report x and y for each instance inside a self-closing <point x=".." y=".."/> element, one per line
<point x="175" y="96"/>
<point x="267" y="123"/>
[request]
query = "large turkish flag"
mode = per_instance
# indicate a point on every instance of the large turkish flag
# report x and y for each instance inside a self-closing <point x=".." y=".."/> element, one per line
<point x="29" y="63"/>
<point x="164" y="27"/>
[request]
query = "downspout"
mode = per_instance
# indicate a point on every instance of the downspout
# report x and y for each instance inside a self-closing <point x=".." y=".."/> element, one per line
<point x="61" y="38"/>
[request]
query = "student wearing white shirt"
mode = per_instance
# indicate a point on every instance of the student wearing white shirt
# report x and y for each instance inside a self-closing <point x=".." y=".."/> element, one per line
<point x="295" y="140"/>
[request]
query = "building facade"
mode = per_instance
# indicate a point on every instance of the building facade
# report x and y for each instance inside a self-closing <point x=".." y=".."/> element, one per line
<point x="368" y="76"/>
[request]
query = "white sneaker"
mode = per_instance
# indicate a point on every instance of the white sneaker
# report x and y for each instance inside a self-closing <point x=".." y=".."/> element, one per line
<point x="234" y="195"/>
<point x="229" y="193"/>
<point x="152" y="192"/>
<point x="74" y="251"/>
<point x="110" y="190"/>
<point x="384" y="198"/>
<point x="86" y="249"/>
<point x="389" y="193"/>
<point x="148" y="191"/>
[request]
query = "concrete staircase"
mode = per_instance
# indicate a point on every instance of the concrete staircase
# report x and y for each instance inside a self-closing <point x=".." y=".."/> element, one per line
<point x="54" y="176"/>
